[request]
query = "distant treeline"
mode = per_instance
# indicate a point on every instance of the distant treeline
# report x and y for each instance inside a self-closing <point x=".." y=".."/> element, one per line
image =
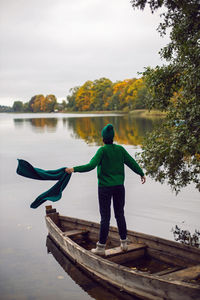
<point x="38" y="103"/>
<point x="98" y="95"/>
<point x="102" y="94"/>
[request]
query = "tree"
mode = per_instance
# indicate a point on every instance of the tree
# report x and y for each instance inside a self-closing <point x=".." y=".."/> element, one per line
<point x="64" y="105"/>
<point x="31" y="103"/>
<point x="133" y="92"/>
<point x="26" y="107"/>
<point x="102" y="92"/>
<point x="84" y="96"/>
<point x="141" y="98"/>
<point x="5" y="108"/>
<point x="172" y="152"/>
<point x="120" y="88"/>
<point x="38" y="103"/>
<point x="50" y="103"/>
<point x="71" y="99"/>
<point x="18" y="106"/>
<point x="115" y="101"/>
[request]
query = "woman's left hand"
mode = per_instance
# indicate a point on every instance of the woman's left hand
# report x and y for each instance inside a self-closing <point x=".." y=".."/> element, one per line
<point x="143" y="179"/>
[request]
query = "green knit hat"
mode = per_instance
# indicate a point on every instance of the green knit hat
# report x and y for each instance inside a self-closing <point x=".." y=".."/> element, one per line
<point x="108" y="132"/>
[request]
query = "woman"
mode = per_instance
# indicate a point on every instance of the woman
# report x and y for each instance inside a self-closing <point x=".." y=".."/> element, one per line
<point x="109" y="160"/>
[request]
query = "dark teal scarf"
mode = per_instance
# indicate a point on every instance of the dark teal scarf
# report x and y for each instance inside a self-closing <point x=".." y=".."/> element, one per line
<point x="55" y="192"/>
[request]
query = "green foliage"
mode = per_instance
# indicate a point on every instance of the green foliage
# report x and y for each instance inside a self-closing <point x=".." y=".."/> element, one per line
<point x="186" y="238"/>
<point x="26" y="107"/>
<point x="50" y="103"/>
<point x="102" y="91"/>
<point x="30" y="103"/>
<point x="5" y="108"/>
<point x="18" y="106"/>
<point x="71" y="105"/>
<point x="161" y="84"/>
<point x="141" y="99"/>
<point x="172" y="152"/>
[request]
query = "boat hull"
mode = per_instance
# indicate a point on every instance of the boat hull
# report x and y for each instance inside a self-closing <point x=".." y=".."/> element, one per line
<point x="143" y="285"/>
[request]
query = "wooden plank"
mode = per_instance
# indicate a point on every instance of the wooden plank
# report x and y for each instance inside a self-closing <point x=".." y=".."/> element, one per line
<point x="117" y="250"/>
<point x="54" y="217"/>
<point x="167" y="271"/>
<point x="49" y="209"/>
<point x="185" y="274"/>
<point x="168" y="258"/>
<point x="74" y="232"/>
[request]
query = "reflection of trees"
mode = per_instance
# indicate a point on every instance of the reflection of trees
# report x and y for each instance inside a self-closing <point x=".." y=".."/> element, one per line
<point x="128" y="130"/>
<point x="41" y="123"/>
<point x="18" y="123"/>
<point x="44" y="122"/>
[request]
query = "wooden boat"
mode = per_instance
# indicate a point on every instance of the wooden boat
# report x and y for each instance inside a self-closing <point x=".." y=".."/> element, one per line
<point x="152" y="268"/>
<point x="97" y="289"/>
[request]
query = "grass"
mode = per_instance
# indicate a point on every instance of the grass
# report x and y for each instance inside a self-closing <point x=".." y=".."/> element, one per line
<point x="147" y="114"/>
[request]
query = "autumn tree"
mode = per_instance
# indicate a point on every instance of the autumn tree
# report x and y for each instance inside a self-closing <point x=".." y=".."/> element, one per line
<point x="172" y="153"/>
<point x="120" y="89"/>
<point x="126" y="92"/>
<point x="102" y="94"/>
<point x="132" y="92"/>
<point x="84" y="96"/>
<point x="40" y="103"/>
<point x="115" y="101"/>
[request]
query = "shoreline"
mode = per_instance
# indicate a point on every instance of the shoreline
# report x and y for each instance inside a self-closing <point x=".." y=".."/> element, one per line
<point x="142" y="113"/>
<point x="147" y="114"/>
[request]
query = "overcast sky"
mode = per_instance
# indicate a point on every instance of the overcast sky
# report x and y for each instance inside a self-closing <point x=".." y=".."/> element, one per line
<point x="50" y="46"/>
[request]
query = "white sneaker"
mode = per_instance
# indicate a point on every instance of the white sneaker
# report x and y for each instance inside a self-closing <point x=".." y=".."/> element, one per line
<point x="124" y="244"/>
<point x="99" y="250"/>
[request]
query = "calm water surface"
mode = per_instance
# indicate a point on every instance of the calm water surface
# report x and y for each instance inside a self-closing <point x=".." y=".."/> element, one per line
<point x="51" y="141"/>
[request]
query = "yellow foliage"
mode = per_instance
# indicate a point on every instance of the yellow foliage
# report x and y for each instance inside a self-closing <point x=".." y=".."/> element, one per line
<point x="176" y="97"/>
<point x="43" y="104"/>
<point x="84" y="97"/>
<point x="90" y="130"/>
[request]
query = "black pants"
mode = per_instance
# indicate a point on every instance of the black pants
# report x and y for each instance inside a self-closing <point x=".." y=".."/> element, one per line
<point x="105" y="195"/>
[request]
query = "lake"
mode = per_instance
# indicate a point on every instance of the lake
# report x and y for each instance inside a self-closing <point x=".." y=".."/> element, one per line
<point x="51" y="141"/>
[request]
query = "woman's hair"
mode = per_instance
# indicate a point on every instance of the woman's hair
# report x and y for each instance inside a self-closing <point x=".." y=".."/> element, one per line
<point x="108" y="141"/>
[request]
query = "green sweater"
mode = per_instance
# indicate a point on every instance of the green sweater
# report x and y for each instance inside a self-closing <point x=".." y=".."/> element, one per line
<point x="110" y="160"/>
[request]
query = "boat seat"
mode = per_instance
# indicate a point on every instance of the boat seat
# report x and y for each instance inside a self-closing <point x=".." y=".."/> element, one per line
<point x="117" y="255"/>
<point x="190" y="273"/>
<point x="70" y="233"/>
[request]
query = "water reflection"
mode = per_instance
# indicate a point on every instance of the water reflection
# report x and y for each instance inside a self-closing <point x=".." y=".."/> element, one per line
<point x="128" y="130"/>
<point x="39" y="124"/>
<point x="95" y="288"/>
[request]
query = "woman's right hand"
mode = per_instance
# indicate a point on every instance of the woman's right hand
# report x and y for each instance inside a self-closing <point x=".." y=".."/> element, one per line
<point x="69" y="170"/>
